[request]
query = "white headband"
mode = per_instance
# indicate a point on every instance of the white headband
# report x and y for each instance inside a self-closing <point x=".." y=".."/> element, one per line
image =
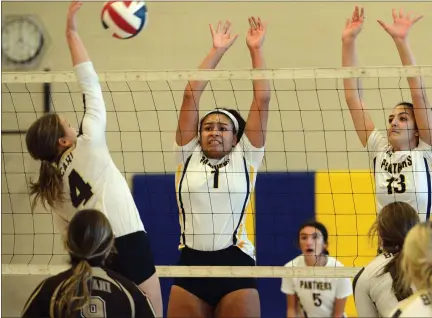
<point x="223" y="111"/>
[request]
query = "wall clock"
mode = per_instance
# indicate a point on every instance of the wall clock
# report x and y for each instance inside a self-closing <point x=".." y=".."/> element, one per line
<point x="23" y="41"/>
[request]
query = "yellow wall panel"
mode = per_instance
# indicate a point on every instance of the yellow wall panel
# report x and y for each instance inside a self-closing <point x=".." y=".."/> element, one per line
<point x="345" y="204"/>
<point x="250" y="219"/>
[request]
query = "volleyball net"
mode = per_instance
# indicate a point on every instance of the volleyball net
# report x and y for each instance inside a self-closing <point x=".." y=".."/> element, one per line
<point x="310" y="133"/>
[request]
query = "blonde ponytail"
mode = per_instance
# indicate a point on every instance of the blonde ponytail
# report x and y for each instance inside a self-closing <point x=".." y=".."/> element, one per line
<point x="417" y="257"/>
<point x="75" y="293"/>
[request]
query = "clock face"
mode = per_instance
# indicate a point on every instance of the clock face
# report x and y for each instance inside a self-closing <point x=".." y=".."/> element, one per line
<point x="22" y="40"/>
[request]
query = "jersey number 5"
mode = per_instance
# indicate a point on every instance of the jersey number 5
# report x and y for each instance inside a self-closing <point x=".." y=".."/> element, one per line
<point x="400" y="185"/>
<point x="317" y="299"/>
<point x="79" y="190"/>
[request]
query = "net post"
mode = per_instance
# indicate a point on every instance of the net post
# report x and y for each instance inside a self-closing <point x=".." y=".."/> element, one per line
<point x="47" y="94"/>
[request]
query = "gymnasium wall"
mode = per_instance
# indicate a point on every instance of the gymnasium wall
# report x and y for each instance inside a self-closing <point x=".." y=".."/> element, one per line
<point x="300" y="34"/>
<point x="301" y="145"/>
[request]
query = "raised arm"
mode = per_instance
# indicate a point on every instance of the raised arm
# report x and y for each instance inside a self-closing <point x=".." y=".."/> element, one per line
<point x="187" y="128"/>
<point x="94" y="120"/>
<point x="363" y="123"/>
<point x="256" y="124"/>
<point x="399" y="31"/>
<point x="76" y="46"/>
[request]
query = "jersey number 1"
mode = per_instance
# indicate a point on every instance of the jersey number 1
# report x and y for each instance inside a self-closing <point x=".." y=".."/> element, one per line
<point x="79" y="190"/>
<point x="400" y="185"/>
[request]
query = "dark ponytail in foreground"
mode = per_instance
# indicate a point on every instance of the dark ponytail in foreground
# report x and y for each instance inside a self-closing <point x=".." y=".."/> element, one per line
<point x="89" y="241"/>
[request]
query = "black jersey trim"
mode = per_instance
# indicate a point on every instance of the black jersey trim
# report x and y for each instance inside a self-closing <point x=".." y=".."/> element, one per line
<point x="182" y="210"/>
<point x="374" y="165"/>
<point x="428" y="179"/>
<point x="355" y="280"/>
<point x="245" y="201"/>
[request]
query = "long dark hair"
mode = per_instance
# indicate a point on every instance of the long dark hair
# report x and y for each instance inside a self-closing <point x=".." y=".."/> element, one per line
<point x="42" y="144"/>
<point x="89" y="241"/>
<point x="392" y="225"/>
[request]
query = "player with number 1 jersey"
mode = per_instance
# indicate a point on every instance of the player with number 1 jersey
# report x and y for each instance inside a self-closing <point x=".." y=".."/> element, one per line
<point x="402" y="162"/>
<point x="77" y="172"/>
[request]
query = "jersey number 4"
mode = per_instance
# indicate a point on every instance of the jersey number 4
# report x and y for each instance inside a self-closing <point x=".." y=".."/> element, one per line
<point x="79" y="190"/>
<point x="396" y="185"/>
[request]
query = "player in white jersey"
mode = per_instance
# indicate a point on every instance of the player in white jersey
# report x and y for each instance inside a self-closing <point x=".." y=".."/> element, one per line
<point x="402" y="162"/>
<point x="417" y="272"/>
<point x="77" y="172"/>
<point x="315" y="297"/>
<point x="378" y="287"/>
<point x="216" y="173"/>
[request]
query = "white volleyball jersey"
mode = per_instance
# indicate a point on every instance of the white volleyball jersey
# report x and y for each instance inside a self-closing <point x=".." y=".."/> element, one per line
<point x="403" y="176"/>
<point x="316" y="295"/>
<point x="91" y="180"/>
<point x="373" y="293"/>
<point x="214" y="195"/>
<point x="418" y="305"/>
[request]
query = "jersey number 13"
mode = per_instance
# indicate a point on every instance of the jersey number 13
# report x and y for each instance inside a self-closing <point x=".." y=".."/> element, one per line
<point x="80" y="191"/>
<point x="396" y="185"/>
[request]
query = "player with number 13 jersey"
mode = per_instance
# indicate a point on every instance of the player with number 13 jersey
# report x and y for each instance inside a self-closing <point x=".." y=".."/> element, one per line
<point x="402" y="159"/>
<point x="402" y="176"/>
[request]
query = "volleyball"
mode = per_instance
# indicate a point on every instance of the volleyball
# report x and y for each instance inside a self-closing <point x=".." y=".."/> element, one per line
<point x="124" y="19"/>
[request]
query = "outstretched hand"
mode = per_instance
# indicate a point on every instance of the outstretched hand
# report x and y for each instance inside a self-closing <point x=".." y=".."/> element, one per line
<point x="354" y="25"/>
<point x="222" y="38"/>
<point x="401" y="24"/>
<point x="256" y="34"/>
<point x="71" y="16"/>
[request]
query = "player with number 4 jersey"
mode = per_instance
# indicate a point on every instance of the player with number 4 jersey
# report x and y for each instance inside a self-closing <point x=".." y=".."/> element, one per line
<point x="77" y="172"/>
<point x="402" y="160"/>
<point x="315" y="297"/>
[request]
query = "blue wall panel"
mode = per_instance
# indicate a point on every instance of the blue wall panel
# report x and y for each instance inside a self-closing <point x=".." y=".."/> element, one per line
<point x="283" y="202"/>
<point x="155" y="198"/>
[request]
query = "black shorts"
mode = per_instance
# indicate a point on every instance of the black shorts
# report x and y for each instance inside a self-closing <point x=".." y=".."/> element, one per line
<point x="133" y="258"/>
<point x="212" y="290"/>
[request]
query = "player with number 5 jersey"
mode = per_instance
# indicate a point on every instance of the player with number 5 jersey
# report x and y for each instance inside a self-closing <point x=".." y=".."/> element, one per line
<point x="402" y="160"/>
<point x="315" y="297"/>
<point x="77" y="172"/>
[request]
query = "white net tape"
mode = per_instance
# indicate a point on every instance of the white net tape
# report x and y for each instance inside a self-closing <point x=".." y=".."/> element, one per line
<point x="174" y="75"/>
<point x="205" y="271"/>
